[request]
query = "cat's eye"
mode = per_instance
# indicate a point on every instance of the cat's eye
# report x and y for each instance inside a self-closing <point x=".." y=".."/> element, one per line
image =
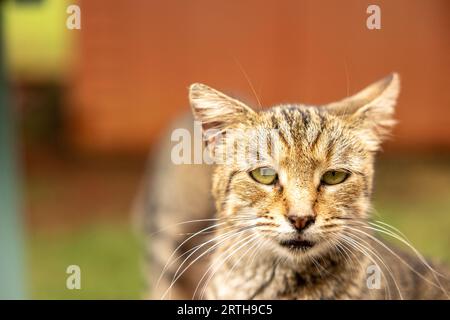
<point x="264" y="175"/>
<point x="334" y="177"/>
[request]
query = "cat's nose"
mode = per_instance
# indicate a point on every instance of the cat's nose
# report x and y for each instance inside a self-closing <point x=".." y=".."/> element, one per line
<point x="301" y="222"/>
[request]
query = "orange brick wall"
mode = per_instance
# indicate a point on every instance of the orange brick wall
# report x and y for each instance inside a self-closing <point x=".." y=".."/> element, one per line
<point x="136" y="59"/>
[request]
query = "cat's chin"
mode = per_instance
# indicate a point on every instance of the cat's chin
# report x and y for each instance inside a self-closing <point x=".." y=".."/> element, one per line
<point x="297" y="245"/>
<point x="300" y="249"/>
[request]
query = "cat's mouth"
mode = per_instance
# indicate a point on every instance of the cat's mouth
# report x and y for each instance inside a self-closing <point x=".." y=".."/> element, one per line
<point x="297" y="244"/>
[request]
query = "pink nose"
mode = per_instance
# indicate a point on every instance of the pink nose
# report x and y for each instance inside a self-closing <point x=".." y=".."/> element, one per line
<point x="301" y="222"/>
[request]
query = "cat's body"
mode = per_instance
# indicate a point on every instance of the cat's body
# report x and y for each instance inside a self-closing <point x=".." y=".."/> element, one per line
<point x="300" y="231"/>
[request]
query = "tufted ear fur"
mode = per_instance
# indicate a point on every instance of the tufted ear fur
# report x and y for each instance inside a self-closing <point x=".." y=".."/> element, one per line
<point x="214" y="109"/>
<point x="371" y="110"/>
<point x="217" y="112"/>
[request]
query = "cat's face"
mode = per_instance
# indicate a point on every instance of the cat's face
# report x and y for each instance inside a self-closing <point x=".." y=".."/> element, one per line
<point x="312" y="171"/>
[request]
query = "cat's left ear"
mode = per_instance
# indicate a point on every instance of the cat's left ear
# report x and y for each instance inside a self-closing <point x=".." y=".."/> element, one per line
<point x="371" y="110"/>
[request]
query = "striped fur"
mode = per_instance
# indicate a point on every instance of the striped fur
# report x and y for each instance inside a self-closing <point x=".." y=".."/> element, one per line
<point x="247" y="261"/>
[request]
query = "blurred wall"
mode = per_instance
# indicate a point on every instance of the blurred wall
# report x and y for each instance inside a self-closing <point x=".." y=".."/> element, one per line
<point x="136" y="59"/>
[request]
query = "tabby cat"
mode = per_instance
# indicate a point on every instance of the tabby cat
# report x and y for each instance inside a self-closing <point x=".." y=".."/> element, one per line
<point x="293" y="222"/>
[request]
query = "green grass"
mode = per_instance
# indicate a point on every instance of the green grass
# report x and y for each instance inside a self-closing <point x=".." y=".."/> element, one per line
<point x="107" y="255"/>
<point x="414" y="196"/>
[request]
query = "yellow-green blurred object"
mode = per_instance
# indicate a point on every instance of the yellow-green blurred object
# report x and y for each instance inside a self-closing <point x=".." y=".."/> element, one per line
<point x="37" y="42"/>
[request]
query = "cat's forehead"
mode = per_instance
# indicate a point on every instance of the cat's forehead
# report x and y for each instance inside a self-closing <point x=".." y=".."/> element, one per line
<point x="299" y="124"/>
<point x="309" y="134"/>
<point x="292" y="115"/>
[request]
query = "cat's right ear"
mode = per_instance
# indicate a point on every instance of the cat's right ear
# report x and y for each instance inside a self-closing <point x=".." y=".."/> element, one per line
<point x="215" y="110"/>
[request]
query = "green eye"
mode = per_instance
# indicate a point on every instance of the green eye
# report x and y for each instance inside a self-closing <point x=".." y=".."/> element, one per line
<point x="264" y="175"/>
<point x="334" y="177"/>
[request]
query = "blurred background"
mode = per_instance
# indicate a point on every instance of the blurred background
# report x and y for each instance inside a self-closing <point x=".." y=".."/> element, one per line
<point x="82" y="109"/>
